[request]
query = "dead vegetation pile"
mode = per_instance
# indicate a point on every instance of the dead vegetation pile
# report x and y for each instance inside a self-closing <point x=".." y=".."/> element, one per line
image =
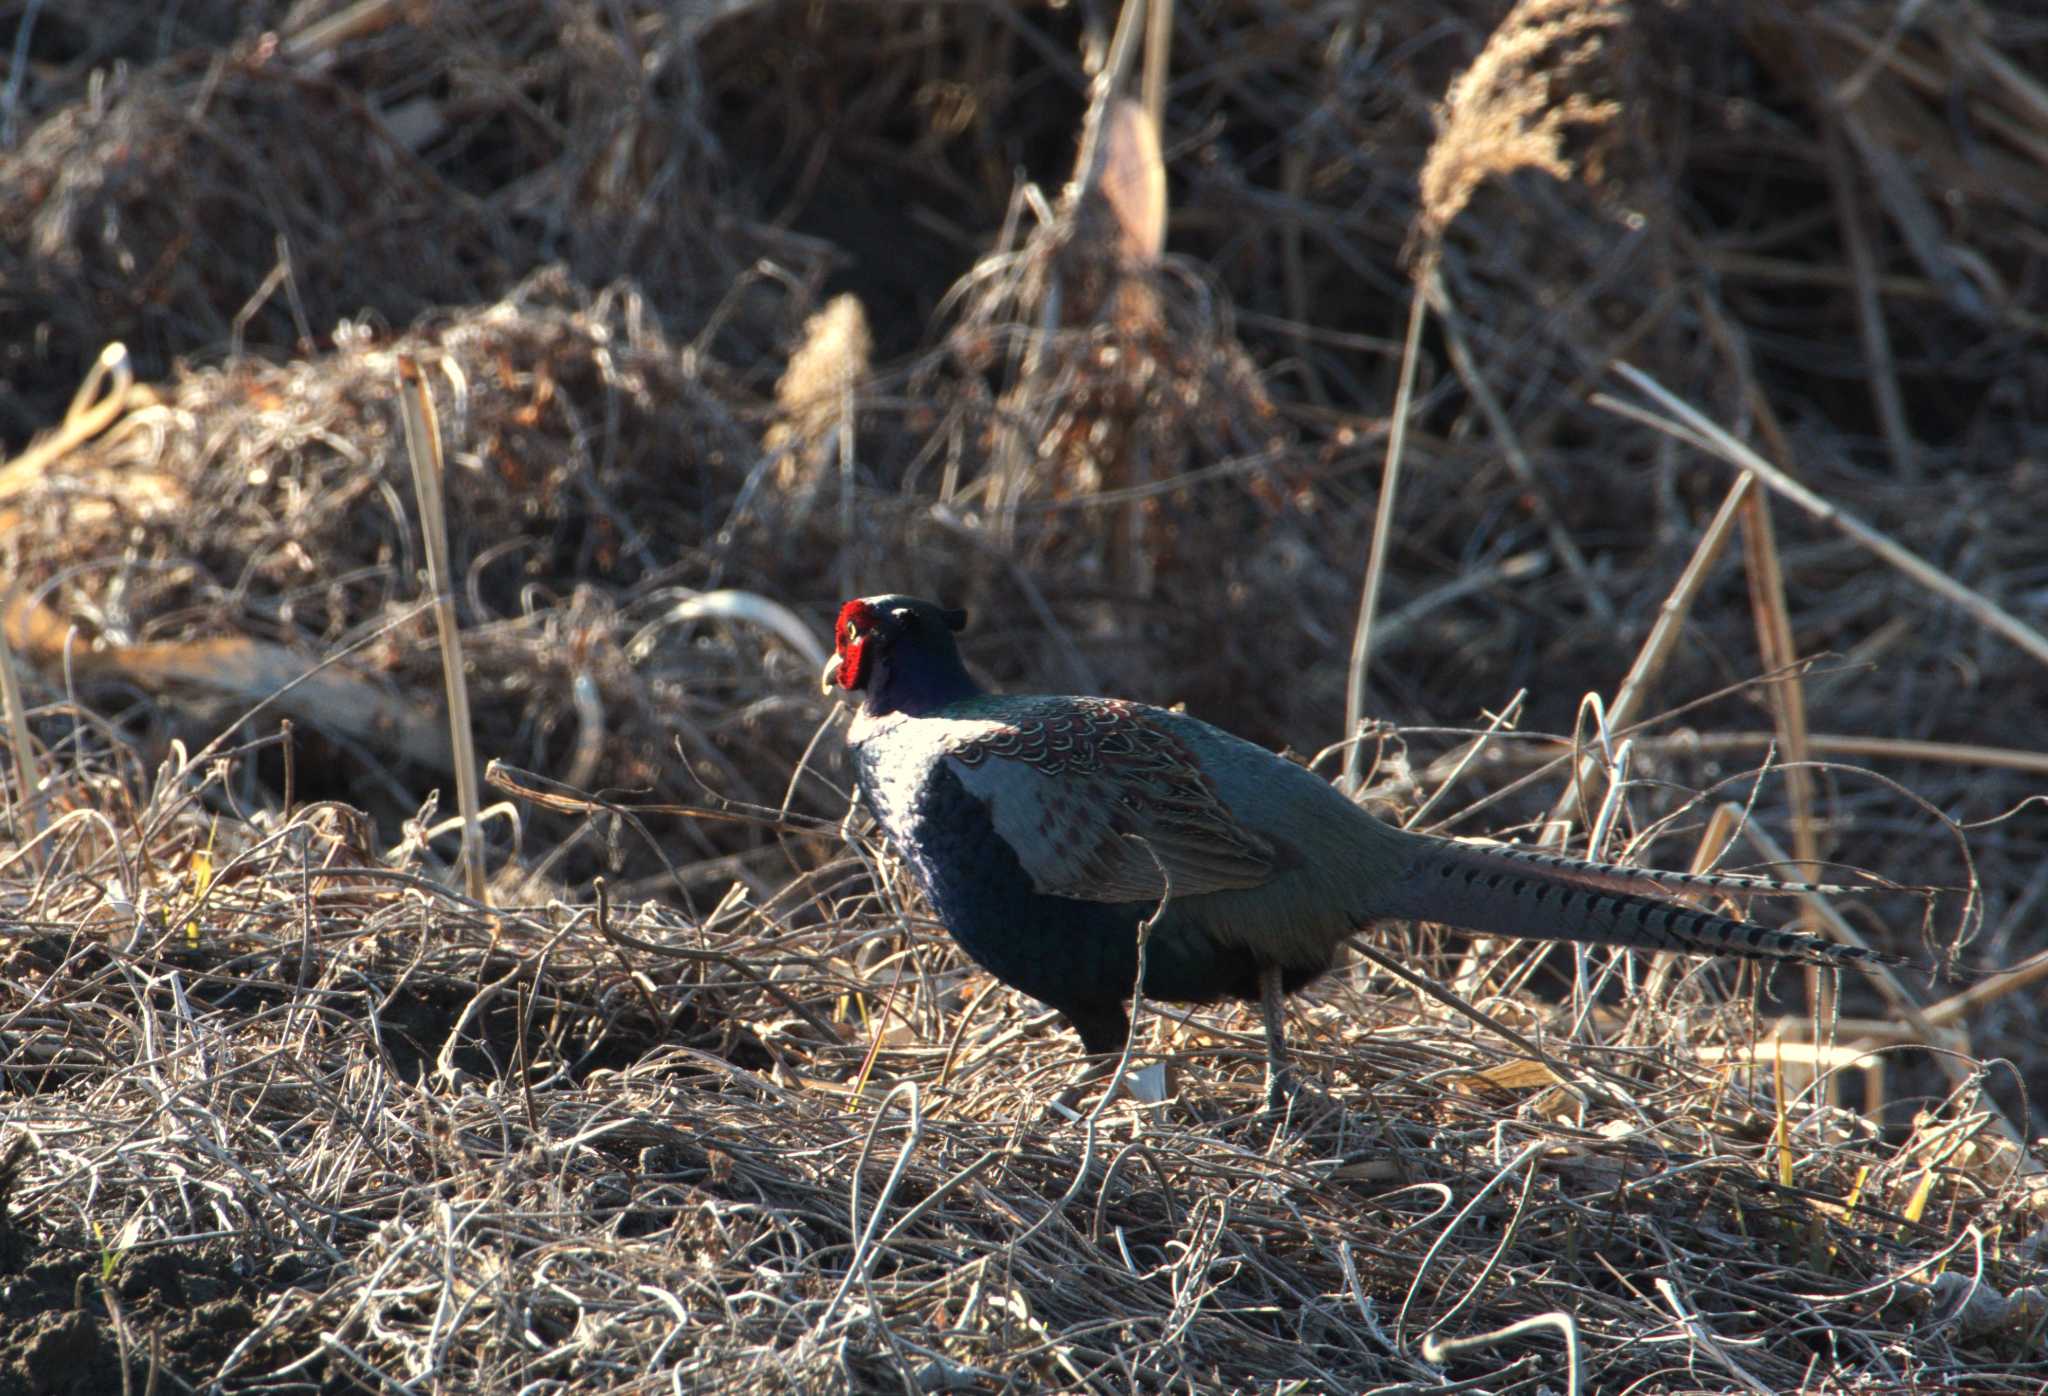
<point x="731" y="305"/>
<point x="285" y="1112"/>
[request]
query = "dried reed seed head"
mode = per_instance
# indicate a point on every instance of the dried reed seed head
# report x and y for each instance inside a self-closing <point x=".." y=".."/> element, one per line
<point x="809" y="396"/>
<point x="833" y="357"/>
<point x="1503" y="114"/>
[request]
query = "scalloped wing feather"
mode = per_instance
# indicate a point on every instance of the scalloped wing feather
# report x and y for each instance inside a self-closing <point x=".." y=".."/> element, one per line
<point x="1096" y="797"/>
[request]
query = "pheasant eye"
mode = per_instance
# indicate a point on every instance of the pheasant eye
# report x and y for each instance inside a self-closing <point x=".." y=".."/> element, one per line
<point x="852" y="632"/>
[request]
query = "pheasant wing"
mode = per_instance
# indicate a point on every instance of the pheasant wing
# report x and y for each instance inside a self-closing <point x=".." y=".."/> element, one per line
<point x="1096" y="796"/>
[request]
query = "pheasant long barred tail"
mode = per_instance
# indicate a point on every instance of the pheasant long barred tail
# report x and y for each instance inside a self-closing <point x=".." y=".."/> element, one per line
<point x="1508" y="892"/>
<point x="1628" y="879"/>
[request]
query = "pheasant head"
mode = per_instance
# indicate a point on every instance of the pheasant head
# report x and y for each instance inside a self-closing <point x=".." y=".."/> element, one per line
<point x="898" y="652"/>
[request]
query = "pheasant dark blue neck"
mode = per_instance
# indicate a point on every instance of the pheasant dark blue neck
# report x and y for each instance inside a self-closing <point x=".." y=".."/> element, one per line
<point x="918" y="679"/>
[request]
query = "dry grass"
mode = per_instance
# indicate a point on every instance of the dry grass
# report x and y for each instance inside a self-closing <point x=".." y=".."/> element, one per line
<point x="393" y="1137"/>
<point x="279" y="1111"/>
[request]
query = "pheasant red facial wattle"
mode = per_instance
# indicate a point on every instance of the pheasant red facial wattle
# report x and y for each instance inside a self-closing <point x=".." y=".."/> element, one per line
<point x="1045" y="829"/>
<point x="916" y="639"/>
<point x="850" y="638"/>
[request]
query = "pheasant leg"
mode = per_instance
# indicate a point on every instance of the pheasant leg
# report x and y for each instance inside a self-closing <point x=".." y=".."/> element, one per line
<point x="1273" y="1008"/>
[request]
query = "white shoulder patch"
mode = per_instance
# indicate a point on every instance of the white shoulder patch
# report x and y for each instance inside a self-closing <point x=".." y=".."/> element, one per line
<point x="895" y="754"/>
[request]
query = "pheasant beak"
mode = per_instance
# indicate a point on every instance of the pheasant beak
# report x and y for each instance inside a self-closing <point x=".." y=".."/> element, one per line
<point x="829" y="680"/>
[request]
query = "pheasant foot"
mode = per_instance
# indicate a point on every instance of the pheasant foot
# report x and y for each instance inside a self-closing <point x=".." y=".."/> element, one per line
<point x="1148" y="1085"/>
